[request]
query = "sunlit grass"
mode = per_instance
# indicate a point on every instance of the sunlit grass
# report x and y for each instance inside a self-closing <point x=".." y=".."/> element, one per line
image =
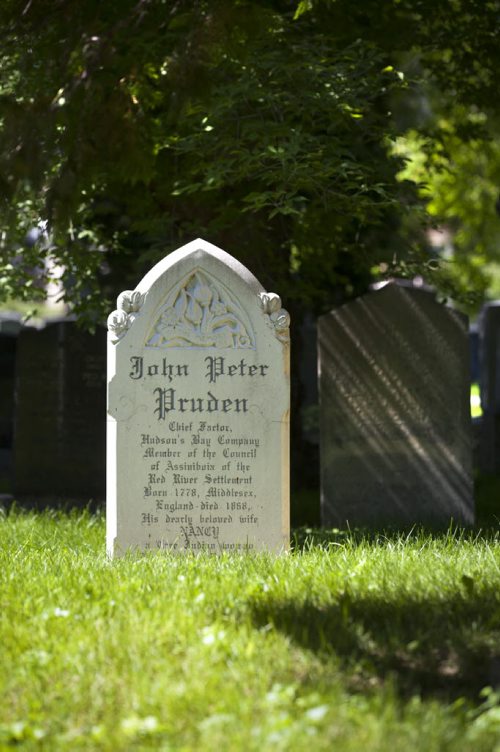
<point x="475" y="401"/>
<point x="347" y="643"/>
<point x="34" y="312"/>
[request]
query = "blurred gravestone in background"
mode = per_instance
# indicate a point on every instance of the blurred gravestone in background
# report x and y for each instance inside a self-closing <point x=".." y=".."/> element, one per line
<point x="394" y="411"/>
<point x="10" y="326"/>
<point x="308" y="378"/>
<point x="489" y="356"/>
<point x="475" y="366"/>
<point x="60" y="427"/>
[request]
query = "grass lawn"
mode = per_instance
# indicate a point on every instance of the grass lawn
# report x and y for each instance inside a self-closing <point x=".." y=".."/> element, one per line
<point x="347" y="643"/>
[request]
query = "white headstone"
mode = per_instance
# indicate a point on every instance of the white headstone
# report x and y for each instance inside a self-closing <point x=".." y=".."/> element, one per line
<point x="198" y="410"/>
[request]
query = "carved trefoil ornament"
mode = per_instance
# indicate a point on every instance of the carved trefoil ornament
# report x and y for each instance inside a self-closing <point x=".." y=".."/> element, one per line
<point x="201" y="312"/>
<point x="278" y="318"/>
<point x="128" y="304"/>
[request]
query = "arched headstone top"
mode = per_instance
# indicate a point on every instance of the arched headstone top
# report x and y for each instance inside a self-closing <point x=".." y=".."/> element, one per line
<point x="410" y="284"/>
<point x="199" y="252"/>
<point x="192" y="298"/>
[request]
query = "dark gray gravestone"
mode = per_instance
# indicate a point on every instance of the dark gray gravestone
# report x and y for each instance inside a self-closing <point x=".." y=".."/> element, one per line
<point x="475" y="366"/>
<point x="394" y="411"/>
<point x="60" y="434"/>
<point x="10" y="325"/>
<point x="489" y="356"/>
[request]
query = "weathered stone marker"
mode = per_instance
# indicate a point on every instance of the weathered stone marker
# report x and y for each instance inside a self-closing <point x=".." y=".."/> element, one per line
<point x="10" y="326"/>
<point x="198" y="410"/>
<point x="489" y="348"/>
<point x="395" y="415"/>
<point x="59" y="431"/>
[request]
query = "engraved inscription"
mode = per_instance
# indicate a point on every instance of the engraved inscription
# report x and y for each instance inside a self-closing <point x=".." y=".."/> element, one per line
<point x="199" y="474"/>
<point x="201" y="488"/>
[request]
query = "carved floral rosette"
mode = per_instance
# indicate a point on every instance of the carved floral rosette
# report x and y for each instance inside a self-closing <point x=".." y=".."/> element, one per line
<point x="128" y="304"/>
<point x="201" y="312"/>
<point x="278" y="319"/>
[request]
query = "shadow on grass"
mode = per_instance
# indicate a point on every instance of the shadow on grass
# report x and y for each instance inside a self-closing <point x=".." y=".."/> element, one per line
<point x="449" y="646"/>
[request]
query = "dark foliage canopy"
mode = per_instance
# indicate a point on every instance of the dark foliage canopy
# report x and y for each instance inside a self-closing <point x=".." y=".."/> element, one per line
<point x="129" y="127"/>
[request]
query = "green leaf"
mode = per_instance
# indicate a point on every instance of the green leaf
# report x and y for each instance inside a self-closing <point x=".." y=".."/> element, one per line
<point x="303" y="7"/>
